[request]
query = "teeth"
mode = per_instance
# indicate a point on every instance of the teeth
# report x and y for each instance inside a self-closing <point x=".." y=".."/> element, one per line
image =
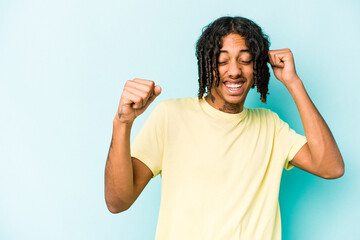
<point x="234" y="85"/>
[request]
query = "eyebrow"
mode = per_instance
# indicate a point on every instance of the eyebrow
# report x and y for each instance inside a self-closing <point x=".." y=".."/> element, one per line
<point x="241" y="51"/>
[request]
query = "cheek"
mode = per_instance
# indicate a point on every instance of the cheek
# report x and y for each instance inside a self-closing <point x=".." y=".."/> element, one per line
<point x="222" y="71"/>
<point x="249" y="71"/>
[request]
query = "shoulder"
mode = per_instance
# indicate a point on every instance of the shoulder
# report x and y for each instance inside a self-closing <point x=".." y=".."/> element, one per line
<point x="261" y="113"/>
<point x="180" y="104"/>
<point x="270" y="118"/>
<point x="174" y="107"/>
<point x="265" y="118"/>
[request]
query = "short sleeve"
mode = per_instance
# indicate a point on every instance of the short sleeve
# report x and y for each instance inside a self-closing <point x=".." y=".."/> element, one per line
<point x="288" y="141"/>
<point x="148" y="145"/>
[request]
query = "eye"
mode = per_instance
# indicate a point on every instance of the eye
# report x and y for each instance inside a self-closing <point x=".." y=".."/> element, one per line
<point x="221" y="63"/>
<point x="245" y="62"/>
<point x="245" y="58"/>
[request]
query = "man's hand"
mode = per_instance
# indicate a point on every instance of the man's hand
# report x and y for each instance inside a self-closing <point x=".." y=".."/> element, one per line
<point x="136" y="97"/>
<point x="282" y="63"/>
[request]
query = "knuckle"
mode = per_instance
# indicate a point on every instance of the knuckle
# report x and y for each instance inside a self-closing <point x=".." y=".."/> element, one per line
<point x="137" y="99"/>
<point x="148" y="89"/>
<point x="145" y="97"/>
<point x="128" y="82"/>
<point x="126" y="89"/>
<point x="151" y="83"/>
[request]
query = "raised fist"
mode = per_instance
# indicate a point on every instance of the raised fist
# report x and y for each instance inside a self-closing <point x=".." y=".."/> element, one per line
<point x="282" y="63"/>
<point x="136" y="97"/>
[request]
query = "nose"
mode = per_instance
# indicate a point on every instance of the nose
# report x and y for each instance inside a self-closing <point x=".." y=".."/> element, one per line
<point x="234" y="70"/>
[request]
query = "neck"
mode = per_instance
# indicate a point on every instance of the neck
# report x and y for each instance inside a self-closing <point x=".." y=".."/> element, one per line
<point x="222" y="105"/>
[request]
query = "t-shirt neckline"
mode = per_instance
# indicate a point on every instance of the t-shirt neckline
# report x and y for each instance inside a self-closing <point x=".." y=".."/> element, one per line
<point x="219" y="114"/>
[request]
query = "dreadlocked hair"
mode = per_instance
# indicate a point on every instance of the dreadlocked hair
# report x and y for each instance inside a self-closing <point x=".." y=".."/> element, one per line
<point x="208" y="49"/>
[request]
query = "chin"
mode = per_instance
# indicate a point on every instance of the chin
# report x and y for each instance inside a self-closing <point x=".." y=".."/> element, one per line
<point x="234" y="100"/>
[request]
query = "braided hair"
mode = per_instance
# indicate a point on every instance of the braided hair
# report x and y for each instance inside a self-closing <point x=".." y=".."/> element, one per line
<point x="210" y="42"/>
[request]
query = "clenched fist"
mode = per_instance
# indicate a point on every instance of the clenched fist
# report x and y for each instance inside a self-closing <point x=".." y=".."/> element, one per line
<point x="136" y="97"/>
<point x="282" y="63"/>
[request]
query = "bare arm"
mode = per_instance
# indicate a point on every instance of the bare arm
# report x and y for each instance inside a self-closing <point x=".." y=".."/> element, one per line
<point x="320" y="156"/>
<point x="125" y="178"/>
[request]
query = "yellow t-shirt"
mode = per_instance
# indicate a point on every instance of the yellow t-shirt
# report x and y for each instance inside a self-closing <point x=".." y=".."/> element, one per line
<point x="220" y="172"/>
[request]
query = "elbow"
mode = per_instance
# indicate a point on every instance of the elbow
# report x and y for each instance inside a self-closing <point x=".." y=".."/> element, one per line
<point x="334" y="168"/>
<point x="338" y="173"/>
<point x="112" y="209"/>
<point x="117" y="209"/>
<point x="117" y="206"/>
<point x="117" y="202"/>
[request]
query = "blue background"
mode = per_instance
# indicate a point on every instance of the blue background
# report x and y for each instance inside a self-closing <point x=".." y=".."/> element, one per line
<point x="63" y="65"/>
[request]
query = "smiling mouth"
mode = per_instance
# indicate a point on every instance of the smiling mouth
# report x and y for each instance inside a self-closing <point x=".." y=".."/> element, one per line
<point x="234" y="87"/>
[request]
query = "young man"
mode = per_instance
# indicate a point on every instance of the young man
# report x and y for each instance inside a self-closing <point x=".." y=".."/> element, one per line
<point x="220" y="163"/>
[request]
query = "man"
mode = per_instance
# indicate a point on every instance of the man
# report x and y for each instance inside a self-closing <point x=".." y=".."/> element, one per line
<point x="220" y="163"/>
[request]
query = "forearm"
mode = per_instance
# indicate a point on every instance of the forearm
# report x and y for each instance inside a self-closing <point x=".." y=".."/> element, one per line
<point x="324" y="151"/>
<point x="119" y="170"/>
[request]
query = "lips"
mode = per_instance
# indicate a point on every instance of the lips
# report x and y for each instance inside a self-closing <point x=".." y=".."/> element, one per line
<point x="234" y="87"/>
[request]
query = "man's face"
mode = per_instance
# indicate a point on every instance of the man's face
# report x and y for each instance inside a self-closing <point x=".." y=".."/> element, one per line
<point x="235" y="67"/>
